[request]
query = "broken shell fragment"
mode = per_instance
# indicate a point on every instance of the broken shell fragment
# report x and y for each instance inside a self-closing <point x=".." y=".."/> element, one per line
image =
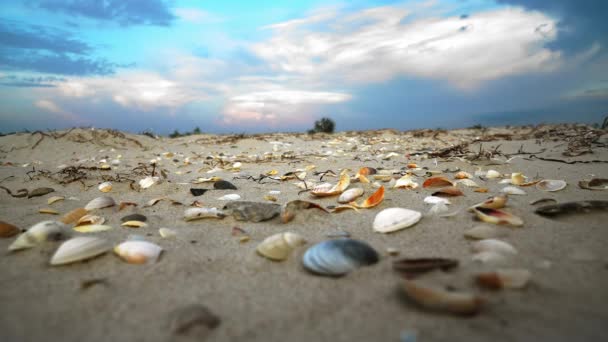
<point x="78" y="249"/>
<point x="38" y="233"/>
<point x="442" y="300"/>
<point x="372" y="201"/>
<point x="134" y="224"/>
<point x="148" y="182"/>
<point x="468" y="182"/>
<point x="350" y="195"/>
<point x="54" y="199"/>
<point x="594" y="184"/>
<point x="279" y="246"/>
<point x="406" y="182"/>
<point x="73" y="215"/>
<point x="105" y="187"/>
<point x="89" y="219"/>
<point x="437" y="182"/>
<point x="50" y="211"/>
<point x="167" y="233"/>
<point x="497" y="216"/>
<point x="451" y="191"/>
<point x="289" y="209"/>
<point x="324" y="190"/>
<point x="138" y="251"/>
<point x="252" y="211"/>
<point x="394" y="219"/>
<point x="551" y="185"/>
<point x="8" y="230"/>
<point x="100" y="202"/>
<point x="411" y="267"/>
<point x="92" y="228"/>
<point x="504" y="279"/>
<point x="200" y="213"/>
<point x="39" y="192"/>
<point x="493" y="245"/>
<point x="338" y="257"/>
<point x="517" y="178"/>
<point x="511" y="190"/>
<point x="495" y="202"/>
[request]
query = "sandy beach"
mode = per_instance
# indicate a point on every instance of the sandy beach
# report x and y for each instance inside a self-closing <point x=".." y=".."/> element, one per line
<point x="256" y="299"/>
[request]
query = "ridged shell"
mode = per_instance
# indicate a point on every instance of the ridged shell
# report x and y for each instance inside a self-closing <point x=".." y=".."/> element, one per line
<point x="442" y="300"/>
<point x="393" y="219"/>
<point x="322" y="190"/>
<point x="8" y="230"/>
<point x="338" y="257"/>
<point x="551" y="185"/>
<point x="100" y="202"/>
<point x="40" y="232"/>
<point x="350" y="195"/>
<point x="138" y="252"/>
<point x="200" y="213"/>
<point x="80" y="248"/>
<point x="279" y="246"/>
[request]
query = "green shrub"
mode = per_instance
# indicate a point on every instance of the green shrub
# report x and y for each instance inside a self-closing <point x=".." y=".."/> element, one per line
<point x="324" y="125"/>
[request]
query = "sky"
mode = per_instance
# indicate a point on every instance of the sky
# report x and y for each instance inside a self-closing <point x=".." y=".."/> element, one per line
<point x="267" y="66"/>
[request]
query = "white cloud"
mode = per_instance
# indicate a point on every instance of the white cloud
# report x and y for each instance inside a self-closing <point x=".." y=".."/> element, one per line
<point x="194" y="15"/>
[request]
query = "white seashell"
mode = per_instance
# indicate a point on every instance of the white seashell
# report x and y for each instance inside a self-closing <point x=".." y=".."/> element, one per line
<point x="138" y="252"/>
<point x="230" y="197"/>
<point x="279" y="246"/>
<point x="167" y="233"/>
<point x="199" y="213"/>
<point x="482" y="232"/>
<point x="393" y="219"/>
<point x="517" y="178"/>
<point x="436" y="199"/>
<point x="505" y="181"/>
<point x="274" y="192"/>
<point x="493" y="245"/>
<point x="511" y="190"/>
<point x="237" y="165"/>
<point x="92" y="228"/>
<point x="100" y="202"/>
<point x="491" y="174"/>
<point x="405" y="182"/>
<point x="105" y="187"/>
<point x="148" y="182"/>
<point x="551" y="185"/>
<point x="40" y="232"/>
<point x="468" y="182"/>
<point x="79" y="248"/>
<point x="350" y="195"/>
<point x="489" y="258"/>
<point x="438" y="209"/>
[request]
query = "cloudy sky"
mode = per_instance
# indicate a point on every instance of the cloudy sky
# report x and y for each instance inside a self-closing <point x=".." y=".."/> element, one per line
<point x="258" y="66"/>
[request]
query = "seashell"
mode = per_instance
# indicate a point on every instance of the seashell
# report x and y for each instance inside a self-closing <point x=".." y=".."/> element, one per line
<point x="489" y="257"/>
<point x="412" y="166"/>
<point x="230" y="197"/>
<point x="289" y="210"/>
<point x="252" y="211"/>
<point x="148" y="182"/>
<point x="39" y="192"/>
<point x="73" y="215"/>
<point x="206" y="180"/>
<point x="393" y="219"/>
<point x="134" y="217"/>
<point x="322" y="191"/>
<point x="193" y="322"/>
<point x="442" y="300"/>
<point x="372" y="201"/>
<point x="40" y="232"/>
<point x="504" y="279"/>
<point x="54" y="199"/>
<point x="338" y="257"/>
<point x="437" y="182"/>
<point x="350" y="195"/>
<point x="497" y="216"/>
<point x="411" y="267"/>
<point x="138" y="252"/>
<point x="493" y="245"/>
<point x="449" y="191"/>
<point x="198" y="192"/>
<point x="105" y="167"/>
<point x="92" y="228"/>
<point x="8" y="230"/>
<point x="495" y="202"/>
<point x="594" y="184"/>
<point x="462" y="175"/>
<point x="124" y="204"/>
<point x="279" y="246"/>
<point x="435" y="200"/>
<point x="406" y="182"/>
<point x="200" y="213"/>
<point x="482" y="190"/>
<point x="438" y="209"/>
<point x="551" y="185"/>
<point x="50" y="211"/>
<point x="383" y="177"/>
<point x="468" y="182"/>
<point x="492" y="174"/>
<point x="270" y="198"/>
<point x="105" y="187"/>
<point x="571" y="207"/>
<point x="517" y="178"/>
<point x="100" y="202"/>
<point x="305" y="185"/>
<point x="78" y="249"/>
<point x="482" y="232"/>
<point x="224" y="185"/>
<point x="134" y="224"/>
<point x="155" y="200"/>
<point x="167" y="233"/>
<point x="89" y="220"/>
<point x="366" y="171"/>
<point x="511" y="190"/>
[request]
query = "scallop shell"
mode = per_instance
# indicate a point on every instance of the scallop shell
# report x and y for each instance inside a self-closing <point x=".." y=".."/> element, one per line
<point x="200" y="213"/>
<point x="322" y="191"/>
<point x="372" y="201"/>
<point x="493" y="245"/>
<point x="406" y="182"/>
<point x="393" y="219"/>
<point x="100" y="202"/>
<point x="148" y="182"/>
<point x="504" y="279"/>
<point x="40" y="232"/>
<point x="73" y="215"/>
<point x="551" y="185"/>
<point x="442" y="300"/>
<point x="230" y="197"/>
<point x="279" y="246"/>
<point x="350" y="195"/>
<point x="497" y="216"/>
<point x="80" y="248"/>
<point x="167" y="233"/>
<point x="338" y="257"/>
<point x="105" y="187"/>
<point x="437" y="182"/>
<point x="54" y="199"/>
<point x="138" y="251"/>
<point x="8" y="230"/>
<point x="511" y="190"/>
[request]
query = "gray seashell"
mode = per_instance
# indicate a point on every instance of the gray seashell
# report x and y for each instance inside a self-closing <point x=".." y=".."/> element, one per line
<point x="134" y="217"/>
<point x="252" y="211"/>
<point x="40" y="232"/>
<point x="338" y="257"/>
<point x="100" y="202"/>
<point x="39" y="192"/>
<point x="350" y="195"/>
<point x="80" y="248"/>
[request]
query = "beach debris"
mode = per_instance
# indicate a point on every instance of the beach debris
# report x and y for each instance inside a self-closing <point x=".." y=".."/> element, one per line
<point x="138" y="251"/>
<point x="462" y="175"/>
<point x="279" y="246"/>
<point x="193" y="321"/>
<point x="338" y="256"/>
<point x="572" y="207"/>
<point x="198" y="192"/>
<point x="289" y="209"/>
<point x="451" y="191"/>
<point x="206" y="180"/>
<point x="134" y="224"/>
<point x="89" y="219"/>
<point x="511" y="190"/>
<point x="437" y="182"/>
<point x="594" y="184"/>
<point x="50" y="211"/>
<point x="504" y="279"/>
<point x="517" y="178"/>
<point x="496" y="202"/>
<point x="167" y="233"/>
<point x="492" y="174"/>
<point x="73" y="215"/>
<point x="270" y="198"/>
<point x="148" y="182"/>
<point x="134" y="217"/>
<point x="372" y="201"/>
<point x="38" y="233"/>
<point x="435" y="298"/>
<point x="7" y="230"/>
<point x="412" y="267"/>
<point x="224" y="185"/>
<point x="468" y="183"/>
<point x="192" y="214"/>
<point x="154" y="201"/>
<point x="252" y="211"/>
<point x="493" y="245"/>
<point x="100" y="202"/>
<point x="326" y="189"/>
<point x="92" y="228"/>
<point x="20" y="193"/>
<point x="230" y="197"/>
<point x="350" y="195"/>
<point x="544" y="201"/>
<point x="39" y="192"/>
<point x="406" y="182"/>
<point x="481" y="190"/>
<point x="551" y="185"/>
<point x="124" y="204"/>
<point x="54" y="199"/>
<point x="436" y="199"/>
<point x="482" y="232"/>
<point x="497" y="216"/>
<point x="394" y="219"/>
<point x="78" y="249"/>
<point x="105" y="187"/>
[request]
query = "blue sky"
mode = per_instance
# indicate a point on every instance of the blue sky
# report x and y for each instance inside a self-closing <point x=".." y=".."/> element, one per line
<point x="260" y="66"/>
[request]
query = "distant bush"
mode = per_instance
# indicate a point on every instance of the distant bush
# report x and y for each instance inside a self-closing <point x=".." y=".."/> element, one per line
<point x="324" y="125"/>
<point x="177" y="134"/>
<point x="477" y="126"/>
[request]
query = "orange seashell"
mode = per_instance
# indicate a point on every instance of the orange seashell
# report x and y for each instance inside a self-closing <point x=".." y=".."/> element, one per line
<point x="366" y="171"/>
<point x="412" y="166"/>
<point x="482" y="190"/>
<point x="437" y="182"/>
<point x="74" y="215"/>
<point x="372" y="201"/>
<point x="442" y="300"/>
<point x="322" y="191"/>
<point x="449" y="191"/>
<point x="495" y="202"/>
<point x="8" y="230"/>
<point x="462" y="175"/>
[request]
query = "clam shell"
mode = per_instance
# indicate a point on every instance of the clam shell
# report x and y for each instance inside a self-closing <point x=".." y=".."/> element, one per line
<point x="495" y="202"/>
<point x="322" y="191"/>
<point x="468" y="182"/>
<point x="442" y="300"/>
<point x="73" y="215"/>
<point x="491" y="174"/>
<point x="436" y="199"/>
<point x="517" y="178"/>
<point x="148" y="182"/>
<point x="134" y="224"/>
<point x="105" y="187"/>
<point x="230" y="197"/>
<point x="406" y="182"/>
<point x="200" y="213"/>
<point x="594" y="184"/>
<point x="279" y="246"/>
<point x="54" y="199"/>
<point x="89" y="220"/>
<point x="373" y="200"/>
<point x="92" y="228"/>
<point x="393" y="219"/>
<point x="167" y="233"/>
<point x="78" y="249"/>
<point x="551" y="185"/>
<point x="350" y="195"/>
<point x="493" y="245"/>
<point x="138" y="252"/>
<point x="437" y="182"/>
<point x="338" y="257"/>
<point x="451" y="191"/>
<point x="511" y="190"/>
<point x="40" y="232"/>
<point x="504" y="279"/>
<point x="497" y="216"/>
<point x="462" y="175"/>
<point x="8" y="230"/>
<point x="100" y="202"/>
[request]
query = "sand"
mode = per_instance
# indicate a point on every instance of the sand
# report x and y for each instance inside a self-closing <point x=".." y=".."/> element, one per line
<point x="261" y="300"/>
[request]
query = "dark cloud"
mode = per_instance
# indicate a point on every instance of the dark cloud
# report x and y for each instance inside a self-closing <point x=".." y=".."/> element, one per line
<point x="124" y="12"/>
<point x="582" y="22"/>
<point x="16" y="35"/>
<point x="29" y="82"/>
